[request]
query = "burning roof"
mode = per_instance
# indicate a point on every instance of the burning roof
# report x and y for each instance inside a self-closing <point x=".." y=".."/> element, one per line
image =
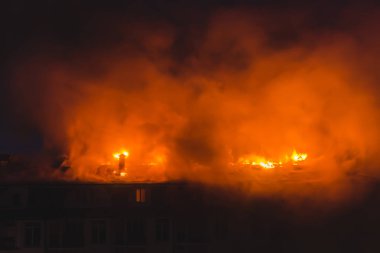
<point x="222" y="102"/>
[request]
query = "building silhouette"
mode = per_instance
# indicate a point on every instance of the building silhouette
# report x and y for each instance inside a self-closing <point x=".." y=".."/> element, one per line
<point x="62" y="217"/>
<point x="138" y="217"/>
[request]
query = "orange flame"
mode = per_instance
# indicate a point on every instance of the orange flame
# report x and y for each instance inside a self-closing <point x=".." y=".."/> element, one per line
<point x="117" y="155"/>
<point x="298" y="157"/>
<point x="270" y="164"/>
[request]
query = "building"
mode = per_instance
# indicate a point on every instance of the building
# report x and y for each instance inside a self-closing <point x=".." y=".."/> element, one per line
<point x="177" y="217"/>
<point x="75" y="217"/>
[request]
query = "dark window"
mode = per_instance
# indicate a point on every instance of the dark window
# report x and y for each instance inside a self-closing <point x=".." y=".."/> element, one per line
<point x="135" y="231"/>
<point x="16" y="200"/>
<point x="197" y="232"/>
<point x="67" y="234"/>
<point x="140" y="195"/>
<point x="7" y="242"/>
<point x="120" y="232"/>
<point x="193" y="232"/>
<point x="220" y="230"/>
<point x="73" y="236"/>
<point x="7" y="235"/>
<point x="162" y="230"/>
<point x="98" y="232"/>
<point x="131" y="232"/>
<point x="181" y="232"/>
<point x="32" y="236"/>
<point x="55" y="234"/>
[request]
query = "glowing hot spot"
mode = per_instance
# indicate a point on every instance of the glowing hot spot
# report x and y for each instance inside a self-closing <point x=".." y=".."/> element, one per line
<point x="117" y="155"/>
<point x="265" y="163"/>
<point x="298" y="157"/>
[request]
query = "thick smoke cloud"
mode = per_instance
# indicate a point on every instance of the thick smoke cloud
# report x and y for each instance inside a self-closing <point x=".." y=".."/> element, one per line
<point x="195" y="98"/>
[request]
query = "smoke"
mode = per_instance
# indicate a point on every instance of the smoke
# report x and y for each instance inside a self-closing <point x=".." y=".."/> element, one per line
<point x="196" y="98"/>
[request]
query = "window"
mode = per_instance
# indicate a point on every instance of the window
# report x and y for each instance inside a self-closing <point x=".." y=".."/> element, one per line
<point x="220" y="230"/>
<point x="181" y="231"/>
<point x="191" y="231"/>
<point x="162" y="230"/>
<point x="16" y="200"/>
<point x="7" y="235"/>
<point x="131" y="232"/>
<point x="73" y="236"/>
<point x="32" y="236"/>
<point x="98" y="232"/>
<point x="140" y="195"/>
<point x="66" y="234"/>
<point x="7" y="242"/>
<point x="55" y="234"/>
<point x="135" y="231"/>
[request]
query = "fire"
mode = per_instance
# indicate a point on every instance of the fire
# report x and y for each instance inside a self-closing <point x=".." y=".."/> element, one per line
<point x="258" y="161"/>
<point x="253" y="160"/>
<point x="132" y="165"/>
<point x="267" y="165"/>
<point x="298" y="157"/>
<point x="117" y="155"/>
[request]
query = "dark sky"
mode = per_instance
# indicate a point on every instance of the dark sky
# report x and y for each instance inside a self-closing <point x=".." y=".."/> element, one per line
<point x="66" y="28"/>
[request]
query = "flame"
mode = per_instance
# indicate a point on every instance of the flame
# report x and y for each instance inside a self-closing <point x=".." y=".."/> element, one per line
<point x="258" y="161"/>
<point x="253" y="160"/>
<point x="265" y="163"/>
<point x="298" y="157"/>
<point x="117" y="155"/>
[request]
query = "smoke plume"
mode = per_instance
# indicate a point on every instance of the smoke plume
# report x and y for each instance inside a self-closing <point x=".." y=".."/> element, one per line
<point x="193" y="98"/>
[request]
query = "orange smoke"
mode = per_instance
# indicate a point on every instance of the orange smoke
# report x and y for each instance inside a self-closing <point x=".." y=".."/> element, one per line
<point x="234" y="99"/>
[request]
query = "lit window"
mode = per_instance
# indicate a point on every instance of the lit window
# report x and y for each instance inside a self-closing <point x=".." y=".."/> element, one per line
<point x="140" y="195"/>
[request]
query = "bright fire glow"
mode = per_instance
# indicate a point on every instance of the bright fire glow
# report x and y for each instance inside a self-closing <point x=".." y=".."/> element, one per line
<point x="298" y="157"/>
<point x="267" y="165"/>
<point x="270" y="164"/>
<point x="258" y="161"/>
<point x="117" y="155"/>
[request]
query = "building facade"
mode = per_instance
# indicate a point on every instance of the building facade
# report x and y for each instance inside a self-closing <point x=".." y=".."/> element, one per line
<point x="70" y="217"/>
